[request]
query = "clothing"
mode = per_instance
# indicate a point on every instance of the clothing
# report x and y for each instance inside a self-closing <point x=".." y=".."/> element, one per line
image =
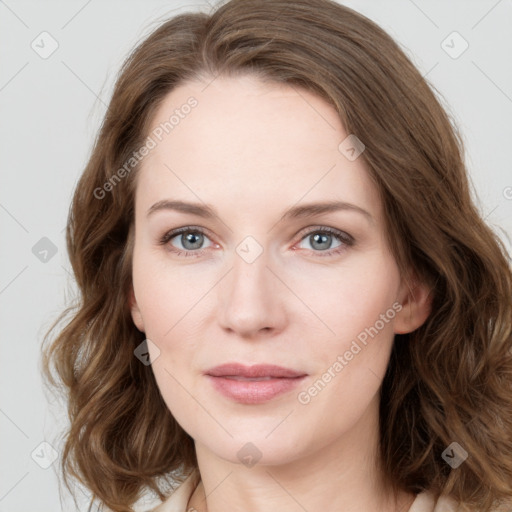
<point x="178" y="500"/>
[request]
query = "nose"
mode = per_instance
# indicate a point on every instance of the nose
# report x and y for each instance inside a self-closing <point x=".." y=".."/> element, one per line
<point x="252" y="298"/>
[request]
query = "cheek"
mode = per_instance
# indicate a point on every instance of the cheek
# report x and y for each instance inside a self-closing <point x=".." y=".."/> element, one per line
<point x="172" y="305"/>
<point x="166" y="294"/>
<point x="353" y="299"/>
<point x="166" y="301"/>
<point x="351" y="363"/>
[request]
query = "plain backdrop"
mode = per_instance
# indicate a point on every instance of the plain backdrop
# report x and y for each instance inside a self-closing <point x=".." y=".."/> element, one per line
<point x="51" y="108"/>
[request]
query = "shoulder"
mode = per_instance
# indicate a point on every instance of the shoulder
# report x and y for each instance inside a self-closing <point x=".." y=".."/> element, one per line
<point x="427" y="502"/>
<point x="178" y="500"/>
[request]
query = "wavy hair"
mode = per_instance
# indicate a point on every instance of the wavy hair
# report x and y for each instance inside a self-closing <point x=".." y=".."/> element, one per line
<point x="450" y="380"/>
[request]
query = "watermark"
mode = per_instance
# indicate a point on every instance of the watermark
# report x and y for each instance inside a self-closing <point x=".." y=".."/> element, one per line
<point x="44" y="455"/>
<point x="304" y="397"/>
<point x="44" y="250"/>
<point x="454" y="45"/>
<point x="156" y="136"/>
<point x="44" y="45"/>
<point x="147" y="352"/>
<point x="249" y="455"/>
<point x="507" y="193"/>
<point x="454" y="455"/>
<point x="249" y="249"/>
<point x="351" y="147"/>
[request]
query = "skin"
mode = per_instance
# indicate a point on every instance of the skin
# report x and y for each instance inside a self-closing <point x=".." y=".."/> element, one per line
<point x="252" y="150"/>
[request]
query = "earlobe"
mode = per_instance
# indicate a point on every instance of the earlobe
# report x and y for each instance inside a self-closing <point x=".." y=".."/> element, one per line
<point x="135" y="311"/>
<point x="416" y="306"/>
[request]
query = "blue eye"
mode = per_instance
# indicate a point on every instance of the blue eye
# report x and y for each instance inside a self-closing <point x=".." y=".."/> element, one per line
<point x="192" y="239"/>
<point x="323" y="235"/>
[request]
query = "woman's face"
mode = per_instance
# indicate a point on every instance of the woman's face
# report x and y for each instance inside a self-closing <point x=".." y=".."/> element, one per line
<point x="254" y="278"/>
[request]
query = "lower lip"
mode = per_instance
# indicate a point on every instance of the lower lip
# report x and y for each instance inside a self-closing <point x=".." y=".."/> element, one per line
<point x="252" y="391"/>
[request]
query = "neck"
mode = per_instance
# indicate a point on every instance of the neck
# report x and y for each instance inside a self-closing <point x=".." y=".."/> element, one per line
<point x="347" y="482"/>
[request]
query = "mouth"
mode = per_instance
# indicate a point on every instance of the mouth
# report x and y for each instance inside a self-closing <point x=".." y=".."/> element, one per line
<point x="255" y="371"/>
<point x="251" y="379"/>
<point x="253" y="384"/>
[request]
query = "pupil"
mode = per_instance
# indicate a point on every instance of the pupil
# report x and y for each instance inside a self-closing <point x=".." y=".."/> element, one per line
<point x="189" y="238"/>
<point x="321" y="239"/>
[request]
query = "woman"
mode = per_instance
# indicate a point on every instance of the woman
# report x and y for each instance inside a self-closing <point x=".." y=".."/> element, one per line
<point x="288" y="298"/>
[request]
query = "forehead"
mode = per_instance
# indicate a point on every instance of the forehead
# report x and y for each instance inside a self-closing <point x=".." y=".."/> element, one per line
<point x="250" y="142"/>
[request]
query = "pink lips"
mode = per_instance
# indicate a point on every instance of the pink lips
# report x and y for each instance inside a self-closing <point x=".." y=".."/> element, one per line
<point x="253" y="384"/>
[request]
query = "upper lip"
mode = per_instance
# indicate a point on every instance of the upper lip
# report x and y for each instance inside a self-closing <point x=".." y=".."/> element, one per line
<point x="257" y="370"/>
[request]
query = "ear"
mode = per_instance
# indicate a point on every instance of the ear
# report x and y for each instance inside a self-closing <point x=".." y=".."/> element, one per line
<point x="416" y="300"/>
<point x="135" y="311"/>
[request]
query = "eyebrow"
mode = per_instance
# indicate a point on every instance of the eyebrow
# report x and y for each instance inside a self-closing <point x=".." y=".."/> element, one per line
<point x="296" y="212"/>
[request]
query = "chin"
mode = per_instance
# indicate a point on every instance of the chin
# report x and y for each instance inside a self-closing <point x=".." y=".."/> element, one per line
<point x="249" y="448"/>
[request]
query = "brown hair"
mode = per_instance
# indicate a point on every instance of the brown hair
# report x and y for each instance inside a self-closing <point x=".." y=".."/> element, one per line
<point x="450" y="380"/>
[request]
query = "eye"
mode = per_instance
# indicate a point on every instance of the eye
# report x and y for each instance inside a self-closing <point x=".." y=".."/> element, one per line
<point x="190" y="239"/>
<point x="321" y="238"/>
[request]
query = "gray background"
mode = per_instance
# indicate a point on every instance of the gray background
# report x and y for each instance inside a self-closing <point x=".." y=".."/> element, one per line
<point x="51" y="109"/>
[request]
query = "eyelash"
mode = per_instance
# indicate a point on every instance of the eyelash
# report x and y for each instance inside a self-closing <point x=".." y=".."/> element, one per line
<point x="345" y="238"/>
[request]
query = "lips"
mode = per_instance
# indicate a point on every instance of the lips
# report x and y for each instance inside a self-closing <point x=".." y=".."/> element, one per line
<point x="258" y="371"/>
<point x="253" y="384"/>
